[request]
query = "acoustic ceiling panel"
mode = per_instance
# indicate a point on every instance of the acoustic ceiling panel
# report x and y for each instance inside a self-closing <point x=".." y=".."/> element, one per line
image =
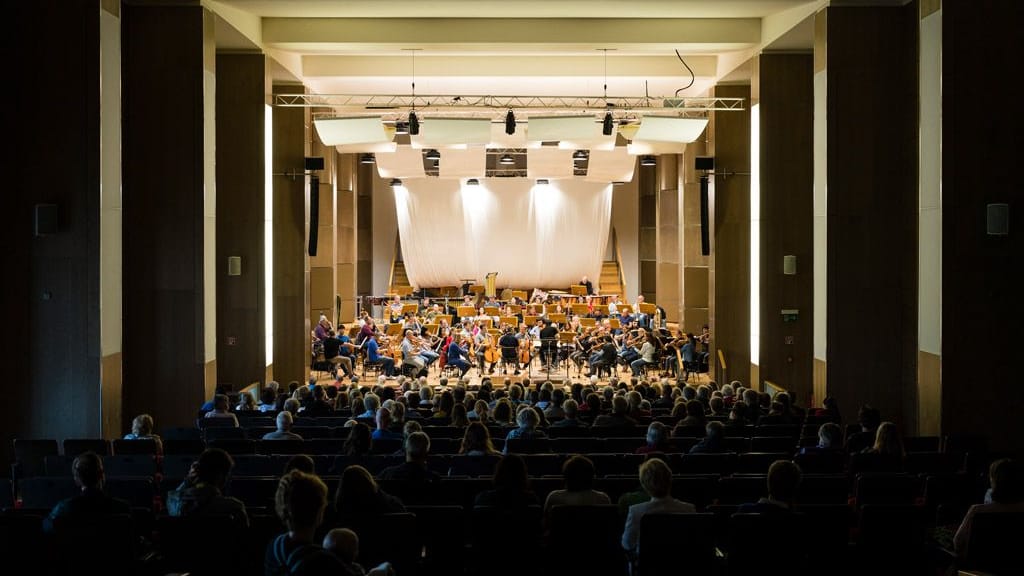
<point x="342" y="131"/>
<point x="557" y="128"/>
<point x="670" y="129"/>
<point x="436" y="132"/>
<point x="468" y="163"/>
<point x="405" y="162"/>
<point x="610" y="165"/>
<point x="549" y="162"/>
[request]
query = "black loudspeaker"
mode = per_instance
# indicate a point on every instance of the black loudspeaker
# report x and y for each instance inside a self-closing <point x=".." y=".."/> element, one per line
<point x="705" y="239"/>
<point x="314" y="163"/>
<point x="46" y="219"/>
<point x="314" y="213"/>
<point x="704" y="163"/>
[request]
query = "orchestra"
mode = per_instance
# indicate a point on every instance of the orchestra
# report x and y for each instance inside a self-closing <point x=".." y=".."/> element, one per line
<point x="578" y="328"/>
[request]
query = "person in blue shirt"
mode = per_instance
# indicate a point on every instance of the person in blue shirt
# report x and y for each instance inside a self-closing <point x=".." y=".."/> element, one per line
<point x="387" y="364"/>
<point x="383" y="430"/>
<point x="457" y="357"/>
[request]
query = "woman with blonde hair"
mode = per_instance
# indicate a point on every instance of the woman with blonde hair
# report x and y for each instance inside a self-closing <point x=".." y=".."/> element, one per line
<point x="142" y="429"/>
<point x="300" y="502"/>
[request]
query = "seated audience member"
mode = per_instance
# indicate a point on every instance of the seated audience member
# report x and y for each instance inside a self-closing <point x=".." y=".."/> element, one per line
<point x="618" y="417"/>
<point x="870" y="419"/>
<point x="383" y="430"/>
<point x="246" y="403"/>
<point x="578" y="475"/>
<point x="713" y="441"/>
<point x="371" y="402"/>
<point x="359" y="441"/>
<point x="301" y="462"/>
<point x="829" y="409"/>
<point x="657" y="439"/>
<point x="142" y="429"/>
<point x="344" y="543"/>
<point x="91" y="503"/>
<point x="830" y="440"/>
<point x="656" y="480"/>
<point x="886" y="453"/>
<point x="694" y="414"/>
<point x="222" y="409"/>
<point x="421" y="484"/>
<point x="202" y="491"/>
<point x="285" y="420"/>
<point x="208" y="405"/>
<point x="783" y="484"/>
<point x="268" y="399"/>
<point x="476" y="441"/>
<point x="776" y="416"/>
<point x="528" y="421"/>
<point x="1005" y="495"/>
<point x="300" y="503"/>
<point x="511" y="486"/>
<point x="358" y="497"/>
<point x="570" y="417"/>
<point x="318" y="405"/>
<point x="637" y="495"/>
<point x="738" y="415"/>
<point x="459" y="417"/>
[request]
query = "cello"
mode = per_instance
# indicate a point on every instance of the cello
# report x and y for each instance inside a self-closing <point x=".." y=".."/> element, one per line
<point x="491" y="352"/>
<point x="525" y="350"/>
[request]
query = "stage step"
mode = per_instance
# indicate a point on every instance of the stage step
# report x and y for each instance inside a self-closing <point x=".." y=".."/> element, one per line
<point x="609" y="281"/>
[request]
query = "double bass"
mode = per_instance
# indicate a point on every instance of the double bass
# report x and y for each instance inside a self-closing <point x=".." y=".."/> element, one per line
<point x="491" y="352"/>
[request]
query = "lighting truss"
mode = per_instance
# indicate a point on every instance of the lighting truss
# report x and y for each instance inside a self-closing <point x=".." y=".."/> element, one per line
<point x="391" y="107"/>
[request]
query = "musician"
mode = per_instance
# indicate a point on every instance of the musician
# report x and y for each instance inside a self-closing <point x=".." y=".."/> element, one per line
<point x="705" y="339"/>
<point x="524" y="339"/>
<point x="548" y="343"/>
<point x="323" y="328"/>
<point x="613" y="305"/>
<point x="586" y="283"/>
<point x="509" y="348"/>
<point x="396" y="309"/>
<point x="536" y="328"/>
<point x="426" y="347"/>
<point x="411" y="354"/>
<point x="641" y="319"/>
<point x="631" y="342"/>
<point x="457" y="356"/>
<point x="412" y="323"/>
<point x="387" y="364"/>
<point x="433" y="313"/>
<point x="481" y="341"/>
<point x="646" y="355"/>
<point x="671" y="346"/>
<point x="368" y="329"/>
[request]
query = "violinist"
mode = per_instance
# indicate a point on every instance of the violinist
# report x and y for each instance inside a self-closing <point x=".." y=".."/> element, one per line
<point x="387" y="364"/>
<point x="457" y="356"/>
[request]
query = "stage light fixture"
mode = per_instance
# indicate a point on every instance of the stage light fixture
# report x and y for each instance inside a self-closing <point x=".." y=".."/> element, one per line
<point x="542" y="181"/>
<point x="414" y="124"/>
<point x="579" y="156"/>
<point x="367" y="159"/>
<point x="648" y="161"/>
<point x="396" y="182"/>
<point x="609" y="124"/>
<point x="507" y="159"/>
<point x="510" y="123"/>
<point x="472" y="182"/>
<point x="433" y="155"/>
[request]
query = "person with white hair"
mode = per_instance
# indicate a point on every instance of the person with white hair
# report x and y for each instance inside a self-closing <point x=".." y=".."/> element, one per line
<point x="528" y="420"/>
<point x="371" y="402"/>
<point x="285" y="420"/>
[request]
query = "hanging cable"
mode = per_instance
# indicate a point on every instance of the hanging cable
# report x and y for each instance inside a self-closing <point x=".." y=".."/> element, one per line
<point x="693" y="76"/>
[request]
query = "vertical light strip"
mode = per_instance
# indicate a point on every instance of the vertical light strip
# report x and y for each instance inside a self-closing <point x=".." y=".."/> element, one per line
<point x="755" y="234"/>
<point x="268" y="231"/>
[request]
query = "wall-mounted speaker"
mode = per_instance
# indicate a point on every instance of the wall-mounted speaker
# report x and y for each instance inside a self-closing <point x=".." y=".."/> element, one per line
<point x="314" y="213"/>
<point x="234" y="265"/>
<point x="998" y="220"/>
<point x="46" y="219"/>
<point x="314" y="163"/>
<point x="704" y="163"/>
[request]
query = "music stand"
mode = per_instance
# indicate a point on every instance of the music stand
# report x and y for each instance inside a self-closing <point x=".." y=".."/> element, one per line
<point x="565" y="340"/>
<point x="578" y="290"/>
<point x="580" y="309"/>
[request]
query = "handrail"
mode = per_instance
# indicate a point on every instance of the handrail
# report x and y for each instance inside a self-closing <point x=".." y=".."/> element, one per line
<point x="721" y="359"/>
<point x="618" y="262"/>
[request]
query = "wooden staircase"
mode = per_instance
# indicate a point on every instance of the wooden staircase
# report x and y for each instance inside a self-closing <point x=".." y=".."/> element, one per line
<point x="399" y="280"/>
<point x="611" y="278"/>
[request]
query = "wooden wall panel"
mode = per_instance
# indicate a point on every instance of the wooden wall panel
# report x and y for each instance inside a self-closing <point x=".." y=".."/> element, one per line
<point x="872" y="210"/>
<point x="982" y="308"/>
<point x="786" y="183"/>
<point x="241" y="177"/>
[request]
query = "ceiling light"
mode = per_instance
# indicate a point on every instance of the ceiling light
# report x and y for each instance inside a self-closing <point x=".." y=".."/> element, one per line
<point x="414" y="124"/>
<point x="542" y="181"/>
<point x="648" y="161"/>
<point x="401" y="128"/>
<point x="507" y="159"/>
<point x="510" y="123"/>
<point x="579" y="156"/>
<point x="472" y="182"/>
<point x="396" y="182"/>
<point x="608" y="125"/>
<point x="366" y="159"/>
<point x="433" y="155"/>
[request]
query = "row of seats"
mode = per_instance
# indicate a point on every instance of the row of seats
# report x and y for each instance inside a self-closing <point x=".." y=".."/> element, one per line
<point x="429" y="540"/>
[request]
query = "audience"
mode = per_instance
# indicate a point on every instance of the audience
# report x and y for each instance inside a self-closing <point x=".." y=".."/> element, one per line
<point x="300" y="502"/>
<point x="202" y="491"/>
<point x="1006" y="495"/>
<point x="657" y="439"/>
<point x="142" y="429"/>
<point x="783" y="483"/>
<point x="359" y="497"/>
<point x="222" y="409"/>
<point x="344" y="544"/>
<point x="511" y="486"/>
<point x="656" y="480"/>
<point x="713" y="441"/>
<point x="284" y="428"/>
<point x="91" y="503"/>
<point x="420" y="484"/>
<point x="578" y="474"/>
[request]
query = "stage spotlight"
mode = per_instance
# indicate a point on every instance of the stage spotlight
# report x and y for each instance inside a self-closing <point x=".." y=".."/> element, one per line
<point x="579" y="156"/>
<point x="609" y="124"/>
<point x="414" y="124"/>
<point x="510" y="123"/>
<point x="542" y="181"/>
<point x="395" y="182"/>
<point x="433" y="155"/>
<point x="366" y="159"/>
<point x="648" y="161"/>
<point x="472" y="182"/>
<point x="507" y="159"/>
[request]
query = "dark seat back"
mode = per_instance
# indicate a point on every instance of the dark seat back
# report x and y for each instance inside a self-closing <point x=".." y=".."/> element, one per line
<point x="993" y="541"/>
<point x="660" y="536"/>
<point x="596" y="531"/>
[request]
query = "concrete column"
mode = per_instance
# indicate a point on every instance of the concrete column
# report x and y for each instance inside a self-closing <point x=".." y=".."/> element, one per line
<point x="345" y="221"/>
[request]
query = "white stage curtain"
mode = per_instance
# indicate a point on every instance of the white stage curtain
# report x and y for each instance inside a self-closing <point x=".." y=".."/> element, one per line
<point x="533" y="236"/>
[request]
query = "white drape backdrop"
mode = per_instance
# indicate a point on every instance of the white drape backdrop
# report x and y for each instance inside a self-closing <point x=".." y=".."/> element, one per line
<point x="547" y="236"/>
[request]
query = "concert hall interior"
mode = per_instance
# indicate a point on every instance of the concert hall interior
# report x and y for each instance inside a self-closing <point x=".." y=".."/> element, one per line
<point x="231" y="200"/>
